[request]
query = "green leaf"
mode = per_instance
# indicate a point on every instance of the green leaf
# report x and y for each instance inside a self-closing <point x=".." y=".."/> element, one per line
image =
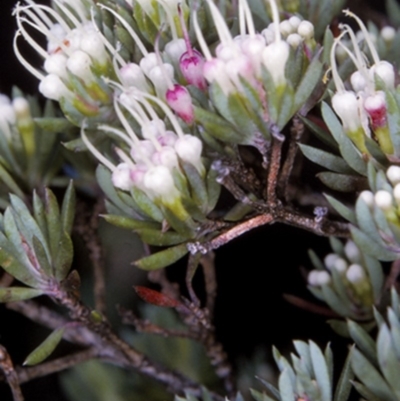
<point x="339" y="327"/>
<point x="335" y="303"/>
<point x="343" y="386"/>
<point x="8" y="180"/>
<point x="163" y="258"/>
<point x="315" y="260"/>
<point x="342" y="209"/>
<point x="41" y="257"/>
<point x="363" y="341"/>
<point x="342" y="182"/>
<point x="159" y="238"/>
<point x="325" y="159"/>
<point x="393" y="12"/>
<point x="286" y="389"/>
<point x="13" y="294"/>
<point x="130" y="223"/>
<point x="308" y="83"/>
<point x="321" y="134"/>
<point x="217" y="126"/>
<point x="63" y="258"/>
<point x="53" y="124"/>
<point x="303" y="350"/>
<point x="369" y="246"/>
<point x="370" y="377"/>
<point x="321" y="372"/>
<point x="375" y="273"/>
<point x="388" y="361"/>
<point x="260" y="396"/>
<point x="213" y="189"/>
<point x="363" y="390"/>
<point x="347" y="149"/>
<point x="337" y="246"/>
<point x="45" y="349"/>
<point x="68" y="208"/>
<point x="53" y="221"/>
<point x="146" y="205"/>
<point x="197" y="186"/>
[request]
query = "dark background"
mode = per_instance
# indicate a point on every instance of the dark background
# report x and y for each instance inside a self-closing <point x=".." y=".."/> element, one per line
<point x="253" y="272"/>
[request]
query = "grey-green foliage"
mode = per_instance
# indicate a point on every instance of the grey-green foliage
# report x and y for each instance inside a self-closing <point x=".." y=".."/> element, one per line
<point x="376" y="364"/>
<point x="346" y="296"/>
<point x="36" y="248"/>
<point x="30" y="148"/>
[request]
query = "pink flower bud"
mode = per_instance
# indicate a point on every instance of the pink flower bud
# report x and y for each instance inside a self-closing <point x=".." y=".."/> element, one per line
<point x="180" y="101"/>
<point x="143" y="150"/>
<point x="165" y="157"/>
<point x="121" y="177"/>
<point x="375" y="106"/>
<point x="192" y="69"/>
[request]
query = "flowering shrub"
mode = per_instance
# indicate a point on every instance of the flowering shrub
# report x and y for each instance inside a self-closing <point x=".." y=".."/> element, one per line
<point x="187" y="124"/>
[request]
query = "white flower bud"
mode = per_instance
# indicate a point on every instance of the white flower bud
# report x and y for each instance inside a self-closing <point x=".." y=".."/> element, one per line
<point x="368" y="198"/>
<point x="385" y="71"/>
<point x="393" y="174"/>
<point x="358" y="81"/>
<point x="324" y="278"/>
<point x="158" y="78"/>
<point x="294" y="40"/>
<point x="159" y="182"/>
<point x="313" y="278"/>
<point x="92" y="44"/>
<point x="384" y="200"/>
<point x="352" y="252"/>
<point x="121" y="177"/>
<point x="286" y="28"/>
<point x="148" y="62"/>
<point x="21" y="108"/>
<point x="346" y="107"/>
<point x="174" y="50"/>
<point x="355" y="273"/>
<point x="388" y="33"/>
<point x="269" y="35"/>
<point x="274" y="57"/>
<point x="142" y="151"/>
<point x="189" y="149"/>
<point x="295" y="22"/>
<point x="306" y="30"/>
<point x="330" y="260"/>
<point x="57" y="64"/>
<point x="167" y="138"/>
<point x="132" y="76"/>
<point x="56" y="36"/>
<point x="53" y="88"/>
<point x="166" y="157"/>
<point x="153" y="128"/>
<point x="79" y="64"/>
<point x="340" y="265"/>
<point x="396" y="194"/>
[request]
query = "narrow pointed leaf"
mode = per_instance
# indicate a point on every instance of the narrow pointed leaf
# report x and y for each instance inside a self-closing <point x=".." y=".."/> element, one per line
<point x="321" y="372"/>
<point x="13" y="294"/>
<point x="343" y="386"/>
<point x="68" y="208"/>
<point x="163" y="258"/>
<point x="45" y="349"/>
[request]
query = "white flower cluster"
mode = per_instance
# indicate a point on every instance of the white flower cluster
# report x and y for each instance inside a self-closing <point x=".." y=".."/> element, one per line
<point x="350" y="268"/>
<point x="150" y="162"/>
<point x="244" y="55"/>
<point x="364" y="106"/>
<point x="386" y="200"/>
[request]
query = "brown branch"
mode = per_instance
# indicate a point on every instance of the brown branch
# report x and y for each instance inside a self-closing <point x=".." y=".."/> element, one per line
<point x="309" y="306"/>
<point x="210" y="279"/>
<point x="87" y="223"/>
<point x="10" y="374"/>
<point x="273" y="170"/>
<point x="393" y="275"/>
<point x="56" y="365"/>
<point x="296" y="132"/>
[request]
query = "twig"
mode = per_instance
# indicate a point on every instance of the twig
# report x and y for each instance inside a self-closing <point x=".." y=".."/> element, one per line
<point x="10" y="374"/>
<point x="145" y="326"/>
<point x="309" y="306"/>
<point x="296" y="132"/>
<point x="193" y="264"/>
<point x="210" y="279"/>
<point x="393" y="275"/>
<point x="273" y="170"/>
<point x="87" y="223"/>
<point x="56" y="365"/>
